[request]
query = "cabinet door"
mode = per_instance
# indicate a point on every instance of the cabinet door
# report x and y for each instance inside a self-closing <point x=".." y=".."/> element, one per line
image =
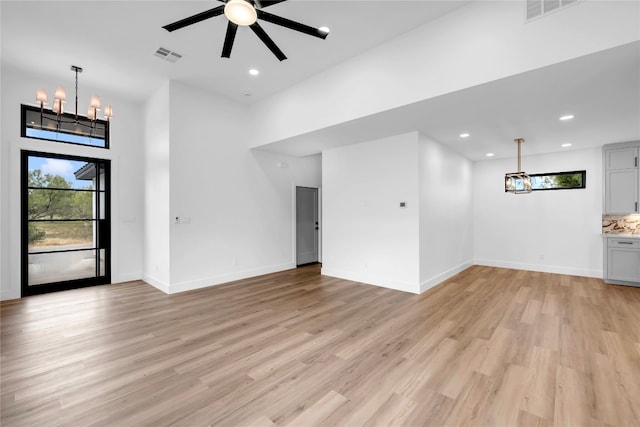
<point x="621" y="158"/>
<point x="621" y="191"/>
<point x="623" y="264"/>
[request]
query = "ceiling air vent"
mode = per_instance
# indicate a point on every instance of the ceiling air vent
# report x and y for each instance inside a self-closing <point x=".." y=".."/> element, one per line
<point x="536" y="8"/>
<point x="167" y="55"/>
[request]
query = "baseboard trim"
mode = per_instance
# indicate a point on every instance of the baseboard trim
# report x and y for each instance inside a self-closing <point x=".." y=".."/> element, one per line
<point x="570" y="271"/>
<point x="226" y="278"/>
<point x="156" y="283"/>
<point x="7" y="296"/>
<point x="127" y="277"/>
<point x="383" y="282"/>
<point x="436" y="280"/>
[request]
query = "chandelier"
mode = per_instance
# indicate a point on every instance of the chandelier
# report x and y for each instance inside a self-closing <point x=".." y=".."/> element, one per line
<point x="60" y="98"/>
<point x="517" y="182"/>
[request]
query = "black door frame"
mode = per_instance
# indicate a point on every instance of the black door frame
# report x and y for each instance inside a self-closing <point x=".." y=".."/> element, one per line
<point x="103" y="226"/>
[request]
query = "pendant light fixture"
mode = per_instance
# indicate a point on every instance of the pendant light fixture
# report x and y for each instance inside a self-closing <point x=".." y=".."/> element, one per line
<point x="60" y="98"/>
<point x="517" y="182"/>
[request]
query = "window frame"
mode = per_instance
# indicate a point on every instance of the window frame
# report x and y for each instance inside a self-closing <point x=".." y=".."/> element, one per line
<point x="105" y="124"/>
<point x="103" y="241"/>
<point x="583" y="173"/>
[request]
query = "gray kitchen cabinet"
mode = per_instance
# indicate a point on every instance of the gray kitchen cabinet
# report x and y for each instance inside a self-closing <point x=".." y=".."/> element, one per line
<point x="621" y="178"/>
<point x="622" y="261"/>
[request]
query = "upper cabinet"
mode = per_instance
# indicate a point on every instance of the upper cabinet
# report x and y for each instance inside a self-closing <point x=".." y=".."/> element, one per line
<point x="621" y="178"/>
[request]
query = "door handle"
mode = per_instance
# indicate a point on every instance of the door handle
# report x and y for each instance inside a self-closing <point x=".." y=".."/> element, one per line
<point x="317" y="228"/>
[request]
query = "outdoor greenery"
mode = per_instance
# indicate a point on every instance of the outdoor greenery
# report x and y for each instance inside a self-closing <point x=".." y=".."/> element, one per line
<point x="557" y="181"/>
<point x="51" y="197"/>
<point x="568" y="180"/>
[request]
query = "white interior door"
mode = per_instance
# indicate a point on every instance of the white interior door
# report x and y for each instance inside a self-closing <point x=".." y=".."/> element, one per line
<point x="307" y="226"/>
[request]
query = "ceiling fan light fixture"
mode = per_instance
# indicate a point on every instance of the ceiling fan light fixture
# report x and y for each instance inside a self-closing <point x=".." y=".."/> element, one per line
<point x="240" y="12"/>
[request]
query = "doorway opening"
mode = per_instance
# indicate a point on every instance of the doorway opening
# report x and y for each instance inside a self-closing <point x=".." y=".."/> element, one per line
<point x="65" y="219"/>
<point x="307" y="226"/>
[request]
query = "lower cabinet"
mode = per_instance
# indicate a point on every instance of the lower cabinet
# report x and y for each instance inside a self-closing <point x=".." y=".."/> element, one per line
<point x="622" y="261"/>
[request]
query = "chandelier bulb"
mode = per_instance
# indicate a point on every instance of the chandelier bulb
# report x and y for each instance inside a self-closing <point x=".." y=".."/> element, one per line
<point x="60" y="94"/>
<point x="95" y="102"/>
<point x="41" y="97"/>
<point x="108" y="112"/>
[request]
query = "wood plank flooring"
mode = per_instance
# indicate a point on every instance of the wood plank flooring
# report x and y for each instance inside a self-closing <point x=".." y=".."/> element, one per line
<point x="489" y="347"/>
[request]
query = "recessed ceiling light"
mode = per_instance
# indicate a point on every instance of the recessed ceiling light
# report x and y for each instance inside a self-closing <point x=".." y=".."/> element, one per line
<point x="325" y="30"/>
<point x="565" y="145"/>
<point x="254" y="72"/>
<point x="464" y="135"/>
<point x="490" y="154"/>
<point x="567" y="117"/>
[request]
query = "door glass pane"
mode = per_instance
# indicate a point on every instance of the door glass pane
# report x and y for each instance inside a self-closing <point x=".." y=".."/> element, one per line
<point x="102" y="205"/>
<point x="46" y="236"/>
<point x="45" y="203"/>
<point x="47" y="172"/>
<point x="102" y="253"/>
<point x="101" y="184"/>
<point x="61" y="266"/>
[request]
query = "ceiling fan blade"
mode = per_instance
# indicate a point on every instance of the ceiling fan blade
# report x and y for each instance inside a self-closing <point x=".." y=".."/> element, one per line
<point x="228" y="40"/>
<point x="267" y="3"/>
<point x="261" y="3"/>
<point x="267" y="41"/>
<point x="293" y="25"/>
<point x="195" y="18"/>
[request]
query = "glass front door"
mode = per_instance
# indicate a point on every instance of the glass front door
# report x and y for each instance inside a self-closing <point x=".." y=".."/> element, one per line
<point x="65" y="222"/>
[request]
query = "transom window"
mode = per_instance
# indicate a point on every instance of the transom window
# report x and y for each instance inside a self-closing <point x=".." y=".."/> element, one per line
<point x="47" y="125"/>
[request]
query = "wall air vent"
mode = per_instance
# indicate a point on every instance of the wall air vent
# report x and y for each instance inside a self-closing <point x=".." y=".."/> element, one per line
<point x="537" y="8"/>
<point x="167" y="55"/>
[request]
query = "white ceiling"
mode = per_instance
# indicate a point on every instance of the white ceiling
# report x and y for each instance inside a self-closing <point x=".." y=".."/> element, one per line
<point x="114" y="41"/>
<point x="601" y="90"/>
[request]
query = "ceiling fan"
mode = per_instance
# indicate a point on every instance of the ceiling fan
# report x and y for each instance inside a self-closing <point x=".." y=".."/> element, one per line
<point x="247" y="13"/>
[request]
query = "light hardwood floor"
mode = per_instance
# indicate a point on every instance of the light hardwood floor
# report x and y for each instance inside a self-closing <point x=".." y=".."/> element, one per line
<point x="490" y="346"/>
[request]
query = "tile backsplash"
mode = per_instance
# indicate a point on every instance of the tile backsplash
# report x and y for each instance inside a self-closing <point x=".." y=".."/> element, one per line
<point x="616" y="224"/>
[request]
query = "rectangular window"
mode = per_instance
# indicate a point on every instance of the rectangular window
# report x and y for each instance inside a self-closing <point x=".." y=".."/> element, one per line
<point x="559" y="180"/>
<point x="47" y="125"/>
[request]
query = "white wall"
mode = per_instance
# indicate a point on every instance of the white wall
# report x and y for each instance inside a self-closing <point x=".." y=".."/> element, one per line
<point x="446" y="213"/>
<point x="4" y="201"/>
<point x="156" y="261"/>
<point x="367" y="237"/>
<point x="551" y="231"/>
<point x="489" y="37"/>
<point x="19" y="87"/>
<point x="238" y="202"/>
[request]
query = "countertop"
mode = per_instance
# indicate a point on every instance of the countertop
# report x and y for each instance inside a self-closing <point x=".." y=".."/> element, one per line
<point x="625" y="235"/>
